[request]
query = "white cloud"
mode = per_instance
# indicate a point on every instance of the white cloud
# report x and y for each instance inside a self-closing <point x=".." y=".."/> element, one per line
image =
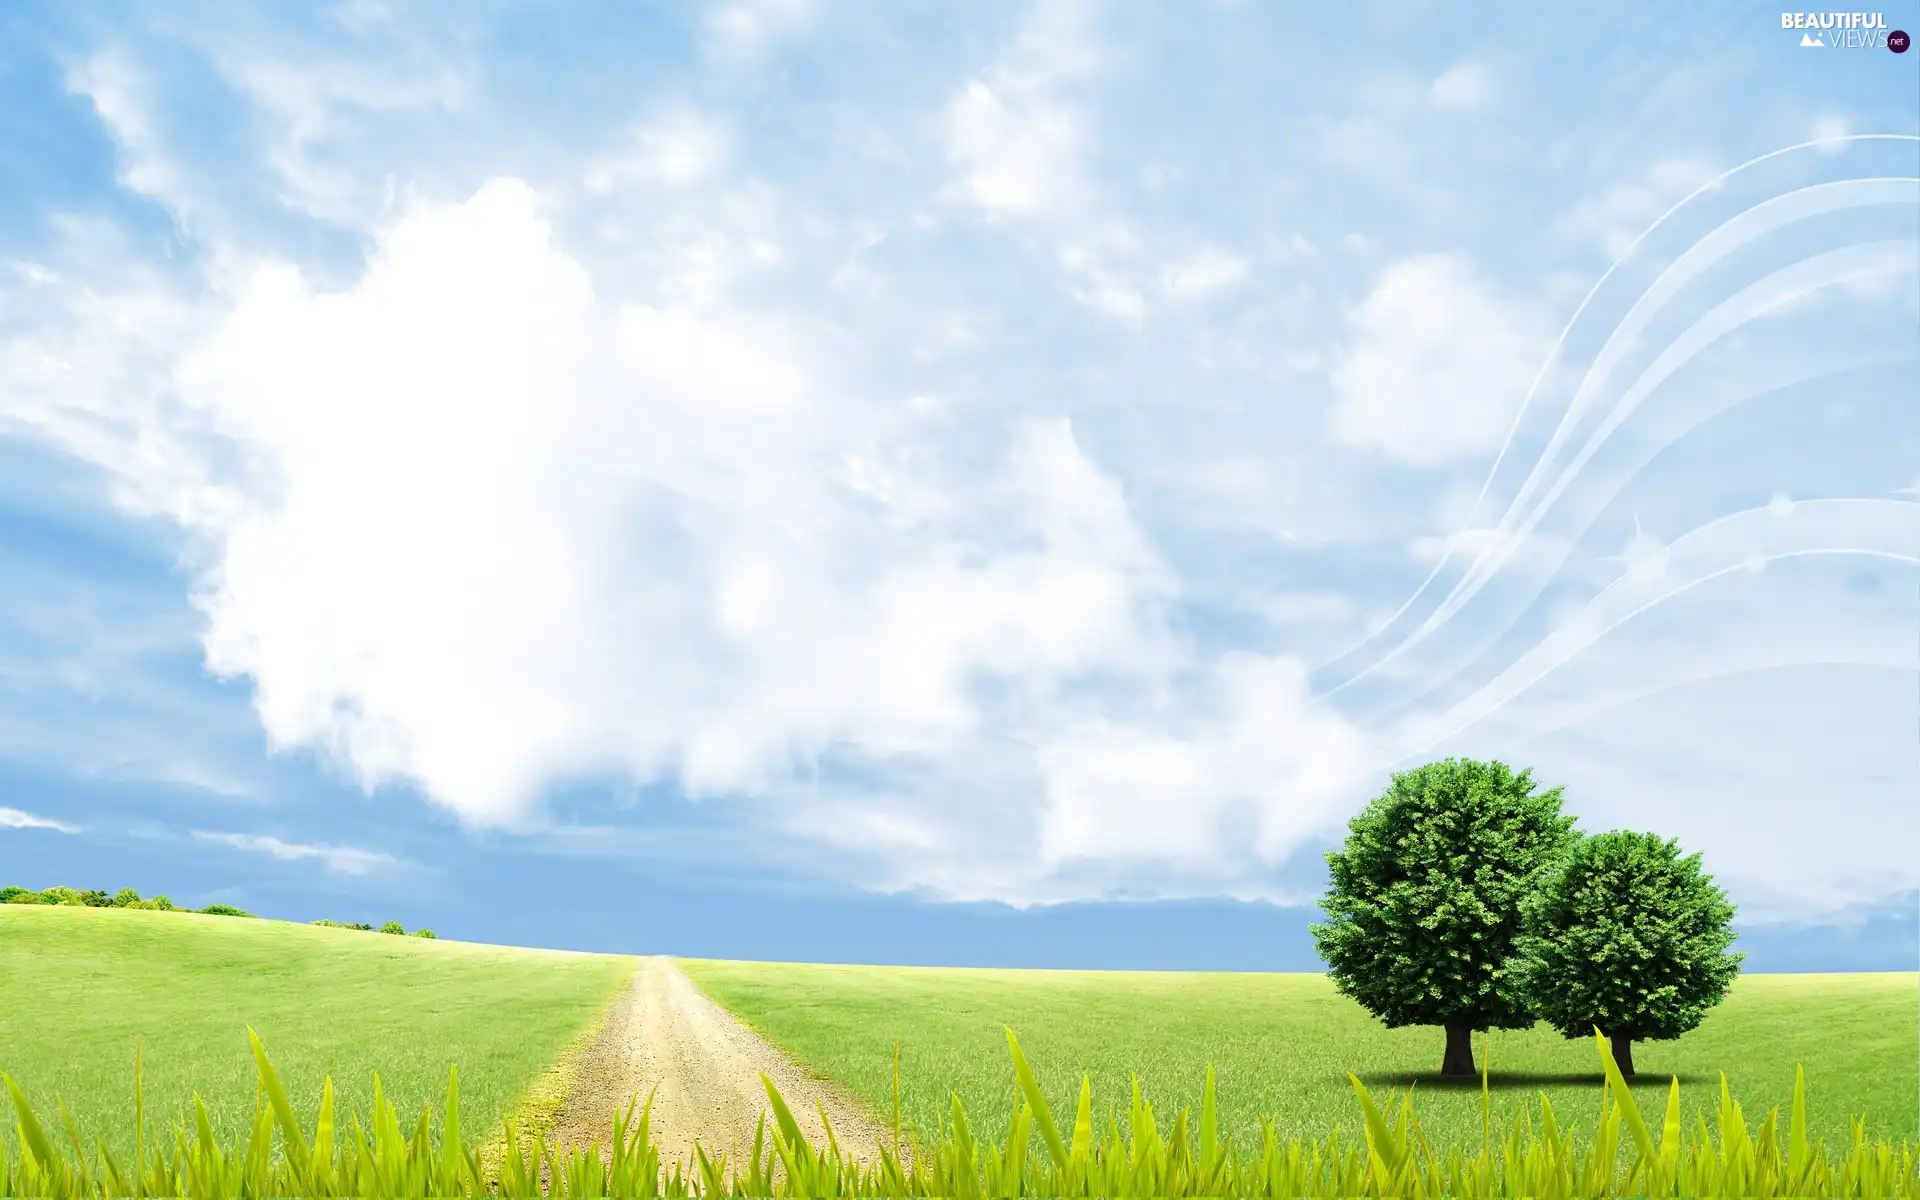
<point x="1017" y="147"/>
<point x="1830" y="130"/>
<point x="1465" y="87"/>
<point x="749" y="26"/>
<point x="1618" y="215"/>
<point x="118" y="91"/>
<point x="311" y="103"/>
<point x="342" y="860"/>
<point x="677" y="151"/>
<point x="1205" y="273"/>
<point x="468" y="525"/>
<point x="1018" y="140"/>
<point x="1465" y="545"/>
<point x="1250" y="771"/>
<point x="307" y="104"/>
<point x="1436" y="364"/>
<point x="13" y="818"/>
<point x="475" y="518"/>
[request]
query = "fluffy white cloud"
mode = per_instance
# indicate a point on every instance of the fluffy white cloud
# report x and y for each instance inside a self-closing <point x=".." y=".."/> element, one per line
<point x="468" y="525"/>
<point x="472" y="514"/>
<point x="1436" y="364"/>
<point x="1250" y="770"/>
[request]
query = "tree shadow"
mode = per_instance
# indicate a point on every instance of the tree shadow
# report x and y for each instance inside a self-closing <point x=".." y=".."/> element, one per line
<point x="1513" y="1080"/>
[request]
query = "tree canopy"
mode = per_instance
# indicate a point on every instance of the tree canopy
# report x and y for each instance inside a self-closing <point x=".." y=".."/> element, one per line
<point x="1427" y="897"/>
<point x="1627" y="936"/>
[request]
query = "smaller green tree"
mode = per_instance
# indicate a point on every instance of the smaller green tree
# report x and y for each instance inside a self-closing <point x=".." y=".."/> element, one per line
<point x="1629" y="937"/>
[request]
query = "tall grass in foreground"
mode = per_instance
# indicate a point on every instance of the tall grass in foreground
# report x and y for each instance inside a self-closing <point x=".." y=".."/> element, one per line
<point x="381" y="1157"/>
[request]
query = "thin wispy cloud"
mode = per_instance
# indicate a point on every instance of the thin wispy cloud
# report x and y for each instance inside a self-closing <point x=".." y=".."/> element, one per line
<point x="343" y="860"/>
<point x="13" y="818"/>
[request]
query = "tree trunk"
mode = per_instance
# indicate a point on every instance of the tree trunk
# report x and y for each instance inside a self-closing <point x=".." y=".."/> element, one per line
<point x="1459" y="1060"/>
<point x="1623" y="1054"/>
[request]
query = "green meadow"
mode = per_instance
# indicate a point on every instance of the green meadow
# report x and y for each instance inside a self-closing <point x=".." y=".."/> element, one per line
<point x="85" y="986"/>
<point x="1283" y="1044"/>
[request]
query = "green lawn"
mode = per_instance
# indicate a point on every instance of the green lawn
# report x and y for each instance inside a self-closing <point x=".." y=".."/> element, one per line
<point x="1282" y="1044"/>
<point x="79" y="987"/>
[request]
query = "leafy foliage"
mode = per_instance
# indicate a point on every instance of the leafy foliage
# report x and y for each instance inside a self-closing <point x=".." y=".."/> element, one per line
<point x="225" y="910"/>
<point x="95" y="898"/>
<point x="1428" y="893"/>
<point x="1629" y="936"/>
<point x="394" y="927"/>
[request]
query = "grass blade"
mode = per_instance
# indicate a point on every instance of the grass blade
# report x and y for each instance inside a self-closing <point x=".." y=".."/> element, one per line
<point x="1042" y="1118"/>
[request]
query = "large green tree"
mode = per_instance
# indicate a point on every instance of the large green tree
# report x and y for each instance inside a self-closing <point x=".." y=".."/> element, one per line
<point x="1427" y="894"/>
<point x="1628" y="937"/>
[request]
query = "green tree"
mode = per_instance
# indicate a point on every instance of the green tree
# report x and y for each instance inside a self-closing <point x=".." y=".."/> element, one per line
<point x="1627" y="937"/>
<point x="394" y="927"/>
<point x="126" y="898"/>
<point x="1427" y="896"/>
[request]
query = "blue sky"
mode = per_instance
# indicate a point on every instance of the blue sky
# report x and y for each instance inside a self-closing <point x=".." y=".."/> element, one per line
<point x="985" y="484"/>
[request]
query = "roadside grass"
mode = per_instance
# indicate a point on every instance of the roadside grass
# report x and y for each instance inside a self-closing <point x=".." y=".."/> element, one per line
<point x="1282" y="1045"/>
<point x="82" y="987"/>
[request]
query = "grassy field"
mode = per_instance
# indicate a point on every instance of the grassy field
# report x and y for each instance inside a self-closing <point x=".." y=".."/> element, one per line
<point x="1282" y="1044"/>
<point x="79" y="987"/>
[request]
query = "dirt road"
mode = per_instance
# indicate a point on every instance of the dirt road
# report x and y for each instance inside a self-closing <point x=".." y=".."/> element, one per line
<point x="707" y="1066"/>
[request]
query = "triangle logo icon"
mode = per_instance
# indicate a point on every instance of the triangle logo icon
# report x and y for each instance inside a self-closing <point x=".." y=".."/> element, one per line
<point x="1811" y="39"/>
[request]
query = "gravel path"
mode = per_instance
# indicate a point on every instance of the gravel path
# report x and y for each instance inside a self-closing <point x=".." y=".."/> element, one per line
<point x="707" y="1066"/>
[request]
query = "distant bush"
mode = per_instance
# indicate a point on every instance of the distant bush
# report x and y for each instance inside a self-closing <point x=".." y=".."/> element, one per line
<point x="129" y="898"/>
<point x="95" y="898"/>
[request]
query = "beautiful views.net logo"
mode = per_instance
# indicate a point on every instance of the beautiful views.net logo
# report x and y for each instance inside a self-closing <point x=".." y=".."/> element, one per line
<point x="1845" y="31"/>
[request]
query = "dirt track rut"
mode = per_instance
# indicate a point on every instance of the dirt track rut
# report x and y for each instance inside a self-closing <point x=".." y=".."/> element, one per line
<point x="665" y="1032"/>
